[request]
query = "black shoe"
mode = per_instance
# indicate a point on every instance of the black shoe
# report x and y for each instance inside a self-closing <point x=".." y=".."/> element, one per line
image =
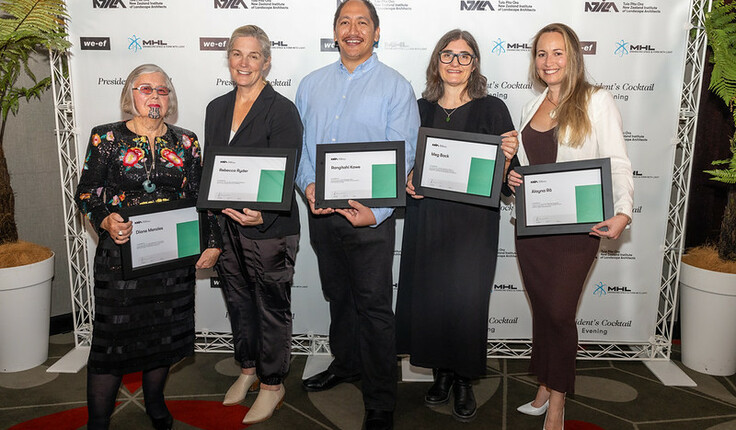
<point x="439" y="392"/>
<point x="378" y="420"/>
<point x="326" y="380"/>
<point x="464" y="407"/>
<point x="165" y="423"/>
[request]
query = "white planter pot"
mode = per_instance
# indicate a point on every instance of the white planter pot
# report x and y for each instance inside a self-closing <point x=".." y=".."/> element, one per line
<point x="708" y="320"/>
<point x="25" y="312"/>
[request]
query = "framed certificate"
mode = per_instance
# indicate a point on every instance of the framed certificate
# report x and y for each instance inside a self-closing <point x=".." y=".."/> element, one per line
<point x="165" y="236"/>
<point x="558" y="198"/>
<point x="254" y="178"/>
<point x="459" y="166"/>
<point x="372" y="173"/>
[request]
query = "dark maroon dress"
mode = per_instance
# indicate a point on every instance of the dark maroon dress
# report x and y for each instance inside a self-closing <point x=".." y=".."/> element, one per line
<point x="554" y="269"/>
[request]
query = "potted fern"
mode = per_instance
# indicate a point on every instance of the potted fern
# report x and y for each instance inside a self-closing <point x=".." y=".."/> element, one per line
<point x="26" y="27"/>
<point x="708" y="273"/>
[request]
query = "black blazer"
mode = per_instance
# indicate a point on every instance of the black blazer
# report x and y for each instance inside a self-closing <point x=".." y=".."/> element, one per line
<point x="272" y="122"/>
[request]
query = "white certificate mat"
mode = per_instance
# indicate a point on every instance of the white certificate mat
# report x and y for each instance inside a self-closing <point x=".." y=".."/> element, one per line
<point x="247" y="179"/>
<point x="360" y="175"/>
<point x="165" y="236"/>
<point x="563" y="198"/>
<point x="369" y="172"/>
<point x="244" y="177"/>
<point x="458" y="166"/>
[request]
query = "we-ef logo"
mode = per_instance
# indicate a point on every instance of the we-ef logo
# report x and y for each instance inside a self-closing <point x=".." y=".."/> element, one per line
<point x="588" y="48"/>
<point x="476" y="5"/>
<point x="230" y="4"/>
<point x="213" y="43"/>
<point x="600" y="6"/>
<point x="327" y="45"/>
<point x="94" y="43"/>
<point x="108" y="4"/>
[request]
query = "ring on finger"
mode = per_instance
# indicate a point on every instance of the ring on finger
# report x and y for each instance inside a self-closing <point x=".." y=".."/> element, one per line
<point x="120" y="232"/>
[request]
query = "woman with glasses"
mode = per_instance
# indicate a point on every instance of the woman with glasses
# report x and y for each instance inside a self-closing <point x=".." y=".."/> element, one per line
<point x="569" y="120"/>
<point x="449" y="249"/>
<point x="256" y="268"/>
<point x="147" y="323"/>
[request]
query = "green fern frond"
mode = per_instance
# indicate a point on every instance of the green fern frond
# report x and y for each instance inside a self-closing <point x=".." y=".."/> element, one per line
<point x="720" y="24"/>
<point x="720" y="175"/>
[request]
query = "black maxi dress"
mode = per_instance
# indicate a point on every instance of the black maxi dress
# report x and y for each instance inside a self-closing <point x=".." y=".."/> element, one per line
<point x="147" y="322"/>
<point x="448" y="260"/>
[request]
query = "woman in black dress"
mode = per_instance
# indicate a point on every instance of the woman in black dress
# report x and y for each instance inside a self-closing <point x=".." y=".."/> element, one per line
<point x="569" y="120"/>
<point x="259" y="247"/>
<point x="145" y="324"/>
<point x="448" y="255"/>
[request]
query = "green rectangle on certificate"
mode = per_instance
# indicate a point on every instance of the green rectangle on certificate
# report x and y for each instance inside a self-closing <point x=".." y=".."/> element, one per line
<point x="271" y="186"/>
<point x="589" y="203"/>
<point x="480" y="178"/>
<point x="187" y="238"/>
<point x="383" y="181"/>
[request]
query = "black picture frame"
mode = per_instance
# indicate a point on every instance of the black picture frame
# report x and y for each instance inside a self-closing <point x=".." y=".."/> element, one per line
<point x="330" y="150"/>
<point x="138" y="213"/>
<point x="602" y="166"/>
<point x="491" y="198"/>
<point x="214" y="155"/>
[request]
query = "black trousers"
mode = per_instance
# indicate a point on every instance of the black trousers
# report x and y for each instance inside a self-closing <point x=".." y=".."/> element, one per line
<point x="256" y="278"/>
<point x="355" y="267"/>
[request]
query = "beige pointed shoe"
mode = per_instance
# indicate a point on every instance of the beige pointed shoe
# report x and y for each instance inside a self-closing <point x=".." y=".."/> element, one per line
<point x="266" y="402"/>
<point x="236" y="393"/>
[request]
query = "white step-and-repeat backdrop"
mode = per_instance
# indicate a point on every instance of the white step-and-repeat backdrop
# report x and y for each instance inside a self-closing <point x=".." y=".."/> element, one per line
<point x="635" y="49"/>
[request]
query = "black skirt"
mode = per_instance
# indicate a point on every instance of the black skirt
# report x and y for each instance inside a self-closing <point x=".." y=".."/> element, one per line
<point x="139" y="324"/>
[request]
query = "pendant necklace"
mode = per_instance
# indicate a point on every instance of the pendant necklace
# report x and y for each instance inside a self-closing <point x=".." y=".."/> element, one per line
<point x="148" y="186"/>
<point x="553" y="112"/>
<point x="447" y="119"/>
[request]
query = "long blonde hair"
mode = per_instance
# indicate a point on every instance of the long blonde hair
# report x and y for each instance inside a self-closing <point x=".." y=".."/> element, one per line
<point x="573" y="123"/>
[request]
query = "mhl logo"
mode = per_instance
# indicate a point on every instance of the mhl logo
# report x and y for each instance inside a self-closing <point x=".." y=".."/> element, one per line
<point x="230" y="4"/>
<point x="641" y="48"/>
<point x="279" y="43"/>
<point x="600" y="6"/>
<point x="497" y="287"/>
<point x="107" y="4"/>
<point x="637" y="173"/>
<point x="619" y="289"/>
<point x="475" y="5"/>
<point x="518" y="46"/>
<point x="154" y="43"/>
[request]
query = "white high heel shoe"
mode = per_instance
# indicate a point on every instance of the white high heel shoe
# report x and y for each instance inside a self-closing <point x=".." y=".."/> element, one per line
<point x="528" y="409"/>
<point x="264" y="406"/>
<point x="237" y="392"/>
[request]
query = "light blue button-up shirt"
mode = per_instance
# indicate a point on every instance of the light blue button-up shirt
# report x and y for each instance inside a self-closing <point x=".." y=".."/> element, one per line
<point x="372" y="104"/>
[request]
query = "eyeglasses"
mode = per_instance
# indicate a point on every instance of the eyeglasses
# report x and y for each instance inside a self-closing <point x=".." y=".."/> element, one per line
<point x="463" y="58"/>
<point x="148" y="90"/>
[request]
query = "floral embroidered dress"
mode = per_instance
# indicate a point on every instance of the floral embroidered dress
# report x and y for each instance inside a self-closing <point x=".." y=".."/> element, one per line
<point x="147" y="322"/>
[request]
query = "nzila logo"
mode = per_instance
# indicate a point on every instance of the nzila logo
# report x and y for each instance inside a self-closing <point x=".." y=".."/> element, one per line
<point x="600" y="6"/>
<point x="230" y="4"/>
<point x="107" y="4"/>
<point x="475" y="5"/>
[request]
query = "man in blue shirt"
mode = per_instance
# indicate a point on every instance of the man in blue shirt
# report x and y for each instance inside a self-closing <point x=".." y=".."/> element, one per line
<point x="356" y="99"/>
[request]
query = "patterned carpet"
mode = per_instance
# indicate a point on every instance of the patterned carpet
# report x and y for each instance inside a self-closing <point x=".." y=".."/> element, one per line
<point x="611" y="395"/>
